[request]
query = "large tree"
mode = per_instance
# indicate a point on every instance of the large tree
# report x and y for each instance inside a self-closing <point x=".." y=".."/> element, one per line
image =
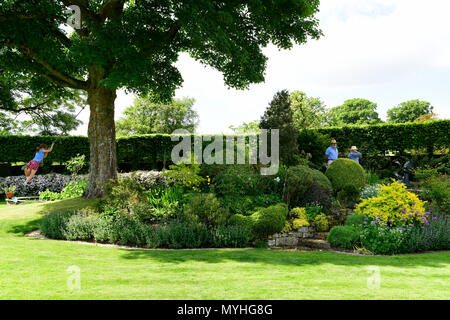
<point x="409" y="111"/>
<point x="134" y="45"/>
<point x="353" y="111"/>
<point x="146" y="116"/>
<point x="308" y="112"/>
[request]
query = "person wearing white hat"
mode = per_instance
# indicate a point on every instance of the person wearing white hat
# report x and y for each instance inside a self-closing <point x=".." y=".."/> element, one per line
<point x="354" y="154"/>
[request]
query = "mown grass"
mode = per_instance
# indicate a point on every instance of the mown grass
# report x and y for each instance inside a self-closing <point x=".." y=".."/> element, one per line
<point x="38" y="269"/>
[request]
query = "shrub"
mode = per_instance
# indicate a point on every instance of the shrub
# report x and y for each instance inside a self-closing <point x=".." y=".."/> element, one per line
<point x="298" y="182"/>
<point x="394" y="205"/>
<point x="246" y="180"/>
<point x="247" y="204"/>
<point x="183" y="234"/>
<point x="437" y="191"/>
<point x="186" y="176"/>
<point x="347" y="177"/>
<point x="382" y="240"/>
<point x="123" y="192"/>
<point x="423" y="174"/>
<point x="313" y="143"/>
<point x="299" y="223"/>
<point x="54" y="225"/>
<point x="205" y="208"/>
<point x="102" y="229"/>
<point x="41" y="182"/>
<point x="163" y="202"/>
<point x="321" y="223"/>
<point x="354" y="220"/>
<point x="434" y="236"/>
<point x="312" y="212"/>
<point x="79" y="227"/>
<point x="372" y="178"/>
<point x="268" y="221"/>
<point x="318" y="194"/>
<point x="242" y="221"/>
<point x="299" y="213"/>
<point x="75" y="164"/>
<point x="230" y="236"/>
<point x="343" y="236"/>
<point x="146" y="179"/>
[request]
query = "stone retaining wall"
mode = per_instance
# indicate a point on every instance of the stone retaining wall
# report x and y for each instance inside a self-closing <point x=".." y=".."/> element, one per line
<point x="291" y="239"/>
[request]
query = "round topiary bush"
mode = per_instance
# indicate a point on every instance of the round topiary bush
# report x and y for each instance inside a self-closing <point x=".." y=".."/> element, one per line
<point x="346" y="176"/>
<point x="268" y="221"/>
<point x="305" y="186"/>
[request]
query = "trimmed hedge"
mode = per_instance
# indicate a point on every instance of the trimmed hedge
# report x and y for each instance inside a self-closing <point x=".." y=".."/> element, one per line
<point x="384" y="137"/>
<point x="156" y="148"/>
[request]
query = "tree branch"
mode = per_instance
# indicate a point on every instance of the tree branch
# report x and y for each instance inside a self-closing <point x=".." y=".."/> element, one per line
<point x="55" y="76"/>
<point x="73" y="83"/>
<point x="112" y="9"/>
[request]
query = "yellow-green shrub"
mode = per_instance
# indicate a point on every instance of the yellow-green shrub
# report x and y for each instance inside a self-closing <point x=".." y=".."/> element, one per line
<point x="394" y="205"/>
<point x="299" y="213"/>
<point x="321" y="223"/>
<point x="299" y="223"/>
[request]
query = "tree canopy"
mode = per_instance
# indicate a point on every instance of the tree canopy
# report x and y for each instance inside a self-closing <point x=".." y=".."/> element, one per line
<point x="146" y="116"/>
<point x="308" y="112"/>
<point x="134" y="45"/>
<point x="409" y="111"/>
<point x="354" y="111"/>
<point x="278" y="115"/>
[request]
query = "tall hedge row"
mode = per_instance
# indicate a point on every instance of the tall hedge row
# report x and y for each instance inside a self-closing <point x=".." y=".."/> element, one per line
<point x="157" y="147"/>
<point x="393" y="137"/>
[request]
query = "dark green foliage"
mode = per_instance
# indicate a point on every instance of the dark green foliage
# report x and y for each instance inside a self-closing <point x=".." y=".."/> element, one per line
<point x="317" y="194"/>
<point x="230" y="236"/>
<point x="354" y="111"/>
<point x="347" y="177"/>
<point x="372" y="141"/>
<point x="268" y="221"/>
<point x="299" y="181"/>
<point x="146" y="117"/>
<point x="206" y="209"/>
<point x="246" y="180"/>
<point x="314" y="143"/>
<point x="279" y="116"/>
<point x="375" y="140"/>
<point x="343" y="236"/>
<point x="354" y="220"/>
<point x="437" y="192"/>
<point x="54" y="225"/>
<point x="409" y="111"/>
<point x="247" y="204"/>
<point x="242" y="221"/>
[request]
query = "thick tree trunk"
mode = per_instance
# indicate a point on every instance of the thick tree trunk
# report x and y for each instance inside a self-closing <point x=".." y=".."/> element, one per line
<point x="102" y="140"/>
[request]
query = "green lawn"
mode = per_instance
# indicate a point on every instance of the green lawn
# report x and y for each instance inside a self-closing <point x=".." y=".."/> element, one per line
<point x="37" y="269"/>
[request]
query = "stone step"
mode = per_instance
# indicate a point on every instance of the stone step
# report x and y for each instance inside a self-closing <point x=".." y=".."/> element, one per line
<point x="313" y="244"/>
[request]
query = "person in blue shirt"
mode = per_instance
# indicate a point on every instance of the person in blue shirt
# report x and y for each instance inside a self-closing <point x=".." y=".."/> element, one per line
<point x="354" y="154"/>
<point x="332" y="153"/>
<point x="33" y="165"/>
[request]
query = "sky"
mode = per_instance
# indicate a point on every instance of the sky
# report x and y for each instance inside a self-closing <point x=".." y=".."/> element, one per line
<point x="387" y="51"/>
